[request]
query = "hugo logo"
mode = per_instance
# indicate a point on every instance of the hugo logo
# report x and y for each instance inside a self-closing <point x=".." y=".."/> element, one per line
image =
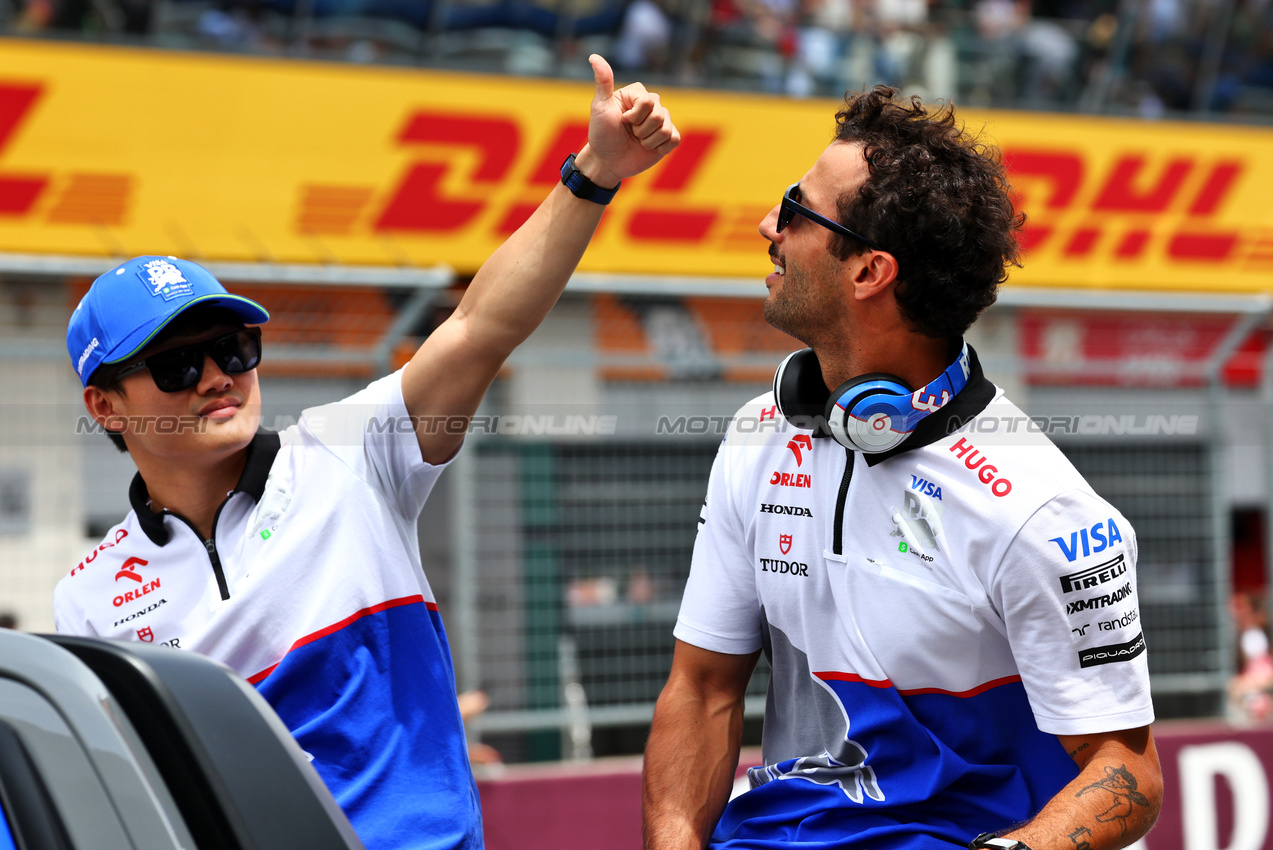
<point x="987" y="473"/>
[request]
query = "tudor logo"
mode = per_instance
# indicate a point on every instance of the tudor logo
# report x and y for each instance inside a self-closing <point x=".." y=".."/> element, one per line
<point x="784" y="543"/>
<point x="146" y="633"/>
<point x="129" y="570"/>
<point x="798" y="443"/>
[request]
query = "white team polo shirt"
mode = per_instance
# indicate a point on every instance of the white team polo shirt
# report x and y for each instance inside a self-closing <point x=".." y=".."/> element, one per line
<point x="934" y="616"/>
<point x="311" y="588"/>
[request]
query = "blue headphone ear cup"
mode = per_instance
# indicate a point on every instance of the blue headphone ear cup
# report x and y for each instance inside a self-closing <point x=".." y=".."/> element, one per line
<point x="873" y="430"/>
<point x="799" y="390"/>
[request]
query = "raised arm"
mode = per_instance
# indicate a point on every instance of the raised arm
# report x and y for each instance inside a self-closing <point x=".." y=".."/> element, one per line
<point x="1112" y="802"/>
<point x="692" y="753"/>
<point x="629" y="130"/>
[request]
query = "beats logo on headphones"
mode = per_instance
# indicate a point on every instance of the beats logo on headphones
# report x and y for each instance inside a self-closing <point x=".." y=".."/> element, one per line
<point x="871" y="413"/>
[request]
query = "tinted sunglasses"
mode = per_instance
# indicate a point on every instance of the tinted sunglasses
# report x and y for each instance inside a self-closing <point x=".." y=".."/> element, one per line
<point x="791" y="208"/>
<point x="181" y="368"/>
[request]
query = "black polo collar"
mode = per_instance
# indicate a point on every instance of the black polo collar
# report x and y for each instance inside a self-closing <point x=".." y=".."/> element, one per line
<point x="970" y="401"/>
<point x="261" y="453"/>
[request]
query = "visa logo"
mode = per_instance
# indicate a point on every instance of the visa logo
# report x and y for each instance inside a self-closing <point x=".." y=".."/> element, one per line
<point x="928" y="488"/>
<point x="1089" y="541"/>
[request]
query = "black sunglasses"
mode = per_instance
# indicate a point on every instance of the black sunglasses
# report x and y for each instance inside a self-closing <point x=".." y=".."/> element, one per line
<point x="180" y="368"/>
<point x="791" y="208"/>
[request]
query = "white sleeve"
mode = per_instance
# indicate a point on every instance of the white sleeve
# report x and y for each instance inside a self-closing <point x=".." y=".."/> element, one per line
<point x="1066" y="588"/>
<point x="68" y="618"/>
<point x="720" y="610"/>
<point x="373" y="434"/>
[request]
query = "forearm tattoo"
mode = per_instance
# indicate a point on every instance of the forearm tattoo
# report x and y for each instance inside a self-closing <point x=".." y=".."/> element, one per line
<point x="1119" y="790"/>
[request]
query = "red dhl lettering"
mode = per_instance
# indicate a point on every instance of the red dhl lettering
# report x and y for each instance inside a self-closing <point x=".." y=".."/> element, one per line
<point x="84" y="198"/>
<point x="18" y="193"/>
<point x="986" y="473"/>
<point x="133" y="595"/>
<point x="1134" y="187"/>
<point x="418" y="204"/>
<point x="786" y="479"/>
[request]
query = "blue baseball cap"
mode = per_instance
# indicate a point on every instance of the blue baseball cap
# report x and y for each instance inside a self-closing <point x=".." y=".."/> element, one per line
<point x="128" y="306"/>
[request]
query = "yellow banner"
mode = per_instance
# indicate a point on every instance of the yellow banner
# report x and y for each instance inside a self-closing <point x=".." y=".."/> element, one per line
<point x="110" y="151"/>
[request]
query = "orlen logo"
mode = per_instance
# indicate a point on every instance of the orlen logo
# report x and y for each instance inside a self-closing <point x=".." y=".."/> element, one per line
<point x="787" y="479"/>
<point x="1120" y="211"/>
<point x="418" y="203"/>
<point x="798" y="444"/>
<point x="129" y="571"/>
<point x="987" y="473"/>
<point x="1089" y="541"/>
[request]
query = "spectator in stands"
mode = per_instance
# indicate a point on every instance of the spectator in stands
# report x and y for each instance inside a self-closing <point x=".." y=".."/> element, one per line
<point x="294" y="557"/>
<point x="1251" y="689"/>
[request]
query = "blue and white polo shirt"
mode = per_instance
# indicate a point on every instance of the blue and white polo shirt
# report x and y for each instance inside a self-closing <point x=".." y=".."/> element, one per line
<point x="934" y="616"/>
<point x="312" y="590"/>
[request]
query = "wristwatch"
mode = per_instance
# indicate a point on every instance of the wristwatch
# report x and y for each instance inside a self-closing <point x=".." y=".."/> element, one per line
<point x="992" y="842"/>
<point x="582" y="187"/>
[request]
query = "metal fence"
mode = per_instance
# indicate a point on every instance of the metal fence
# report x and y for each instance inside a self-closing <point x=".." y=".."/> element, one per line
<point x="568" y="587"/>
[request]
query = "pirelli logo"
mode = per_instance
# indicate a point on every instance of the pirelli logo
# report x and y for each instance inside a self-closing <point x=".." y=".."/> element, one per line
<point x="1098" y="655"/>
<point x="1094" y="576"/>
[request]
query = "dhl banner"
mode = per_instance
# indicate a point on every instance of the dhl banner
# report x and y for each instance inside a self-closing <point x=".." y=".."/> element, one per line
<point x="113" y="152"/>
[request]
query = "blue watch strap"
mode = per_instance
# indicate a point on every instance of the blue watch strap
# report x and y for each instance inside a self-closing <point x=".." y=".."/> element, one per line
<point x="581" y="187"/>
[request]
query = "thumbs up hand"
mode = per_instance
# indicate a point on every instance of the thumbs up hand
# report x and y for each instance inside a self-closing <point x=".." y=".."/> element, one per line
<point x="629" y="130"/>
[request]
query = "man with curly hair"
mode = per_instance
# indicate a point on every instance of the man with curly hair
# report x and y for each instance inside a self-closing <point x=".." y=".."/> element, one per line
<point x="948" y="609"/>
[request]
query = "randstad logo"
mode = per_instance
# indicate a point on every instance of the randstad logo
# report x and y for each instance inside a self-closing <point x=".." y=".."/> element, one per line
<point x="1089" y="541"/>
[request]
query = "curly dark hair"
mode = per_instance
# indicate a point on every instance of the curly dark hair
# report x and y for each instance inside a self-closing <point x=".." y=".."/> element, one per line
<point x="938" y="199"/>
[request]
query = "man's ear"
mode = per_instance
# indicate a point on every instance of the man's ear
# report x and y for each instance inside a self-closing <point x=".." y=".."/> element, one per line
<point x="873" y="273"/>
<point x="101" y="405"/>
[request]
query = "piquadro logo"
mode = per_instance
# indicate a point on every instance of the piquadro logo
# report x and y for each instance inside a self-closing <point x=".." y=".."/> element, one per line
<point x="423" y="202"/>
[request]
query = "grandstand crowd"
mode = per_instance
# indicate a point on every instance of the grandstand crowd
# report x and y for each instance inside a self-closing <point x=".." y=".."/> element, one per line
<point x="1147" y="58"/>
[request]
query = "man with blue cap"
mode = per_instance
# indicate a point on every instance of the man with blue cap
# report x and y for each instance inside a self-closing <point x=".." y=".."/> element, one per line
<point x="293" y="557"/>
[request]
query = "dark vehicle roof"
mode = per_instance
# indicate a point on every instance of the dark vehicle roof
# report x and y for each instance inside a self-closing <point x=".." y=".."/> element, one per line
<point x="109" y="745"/>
